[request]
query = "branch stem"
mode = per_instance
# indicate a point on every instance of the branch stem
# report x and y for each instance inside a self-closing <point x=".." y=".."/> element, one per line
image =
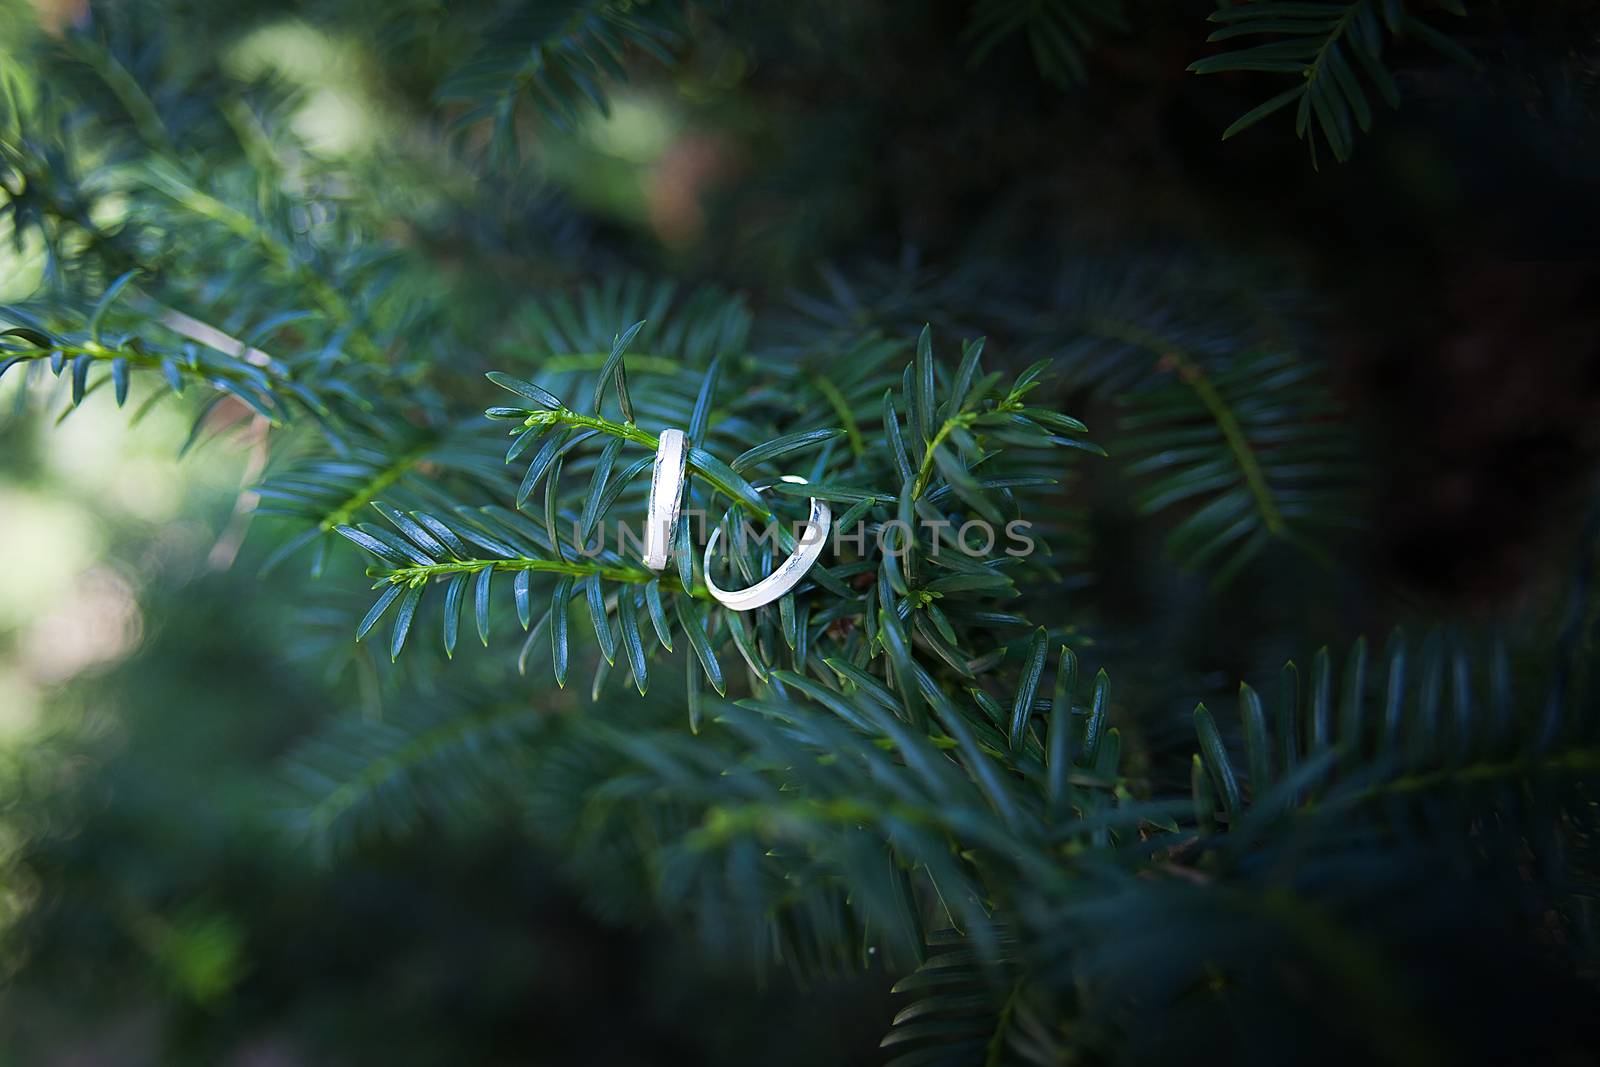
<point x="631" y="432"/>
<point x="344" y="513"/>
<point x="1193" y="375"/>
<point x="420" y="574"/>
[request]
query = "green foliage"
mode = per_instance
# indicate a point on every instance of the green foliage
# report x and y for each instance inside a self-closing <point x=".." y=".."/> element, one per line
<point x="82" y="352"/>
<point x="816" y="826"/>
<point x="1263" y="469"/>
<point x="1430" y="763"/>
<point x="329" y="486"/>
<point x="925" y="597"/>
<point x="363" y="780"/>
<point x="1225" y="422"/>
<point x="557" y="55"/>
<point x="916" y="760"/>
<point x="1330" y="50"/>
<point x="860" y="824"/>
<point x="1058" y="31"/>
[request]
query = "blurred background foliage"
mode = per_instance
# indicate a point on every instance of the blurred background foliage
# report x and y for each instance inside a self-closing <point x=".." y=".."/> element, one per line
<point x="1406" y="332"/>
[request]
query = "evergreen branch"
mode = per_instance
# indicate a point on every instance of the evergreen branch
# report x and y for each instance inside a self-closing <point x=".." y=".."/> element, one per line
<point x="1575" y="763"/>
<point x="566" y="52"/>
<point x="889" y="761"/>
<point x="393" y="460"/>
<point x="1399" y="751"/>
<point x="1314" y="43"/>
<point x="420" y="574"/>
<point x="267" y="390"/>
<point x="702" y="465"/>
<point x="129" y="93"/>
<point x="963" y="1009"/>
<point x="1170" y="356"/>
<point x="1058" y="32"/>
<point x="361" y="777"/>
<point x="164" y="176"/>
<point x="373" y="487"/>
<point x="430" y="547"/>
<point x="1220" y="417"/>
<point x="841" y="407"/>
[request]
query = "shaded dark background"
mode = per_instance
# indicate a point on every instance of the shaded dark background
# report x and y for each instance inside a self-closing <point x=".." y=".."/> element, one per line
<point x="157" y="913"/>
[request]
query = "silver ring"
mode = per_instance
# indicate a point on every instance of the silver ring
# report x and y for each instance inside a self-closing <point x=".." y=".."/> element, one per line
<point x="666" y="497"/>
<point x="789" y="572"/>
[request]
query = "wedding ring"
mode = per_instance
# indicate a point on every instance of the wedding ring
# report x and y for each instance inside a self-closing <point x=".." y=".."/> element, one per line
<point x="789" y="572"/>
<point x="666" y="497"/>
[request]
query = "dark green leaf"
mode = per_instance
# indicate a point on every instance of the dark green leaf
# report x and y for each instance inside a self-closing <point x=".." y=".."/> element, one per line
<point x="107" y="298"/>
<point x="558" y="628"/>
<point x="595" y="593"/>
<point x="539" y="395"/>
<point x="922" y="403"/>
<point x="541" y="462"/>
<point x="402" y="620"/>
<point x="389" y="596"/>
<point x="1257" y="752"/>
<point x="746" y="645"/>
<point x="693" y="683"/>
<point x="552" y="529"/>
<point x="1099" y="709"/>
<point x="480" y="600"/>
<point x="786" y="445"/>
<point x="597" y="489"/>
<point x="971" y="353"/>
<point x="454" y="595"/>
<point x="1287" y="722"/>
<point x="1028" y="687"/>
<point x="1216" y="759"/>
<point x="613" y="369"/>
<point x="897" y="446"/>
<point x="628" y="615"/>
<point x="371" y="544"/>
<point x="519" y="593"/>
<point x="658" y="615"/>
<point x="1394" y="693"/>
<point x="693" y="623"/>
<point x="119" y="379"/>
<point x="80" y="377"/>
<point x="1060" y="753"/>
<point x="1352" y="704"/>
<point x="452" y="544"/>
<point x="701" y="418"/>
<point x="412" y="530"/>
<point x="1321" y="701"/>
<point x="525" y="440"/>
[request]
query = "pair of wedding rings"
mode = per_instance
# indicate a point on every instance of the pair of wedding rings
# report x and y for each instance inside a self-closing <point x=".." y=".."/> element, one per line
<point x="661" y="523"/>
